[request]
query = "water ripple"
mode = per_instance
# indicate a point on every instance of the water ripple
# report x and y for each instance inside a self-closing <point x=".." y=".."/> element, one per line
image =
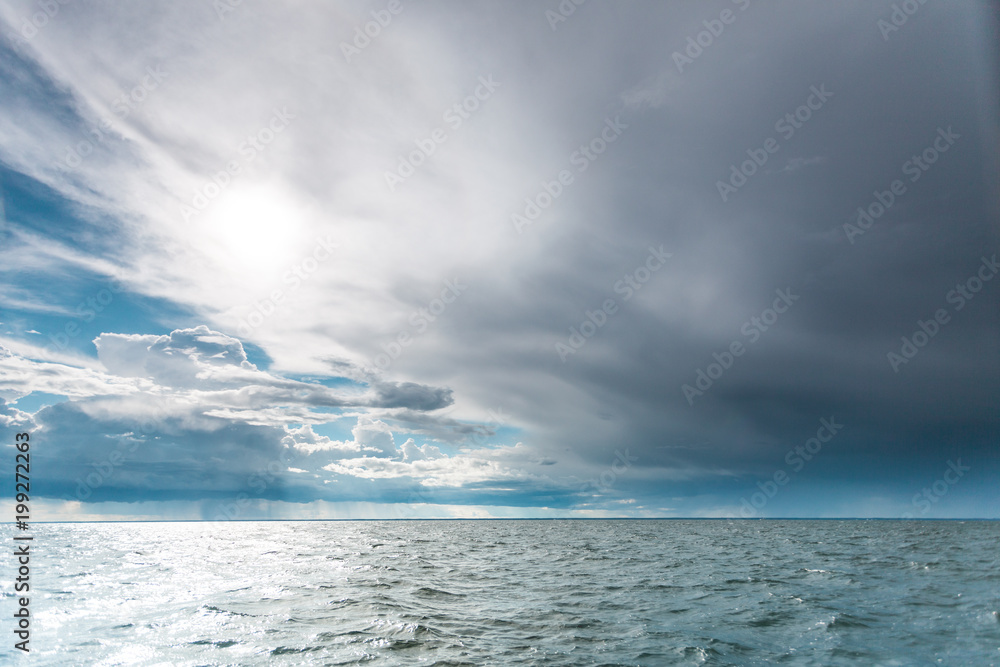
<point x="516" y="593"/>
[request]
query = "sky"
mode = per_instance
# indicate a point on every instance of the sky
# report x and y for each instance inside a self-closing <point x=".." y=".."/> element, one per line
<point x="500" y="259"/>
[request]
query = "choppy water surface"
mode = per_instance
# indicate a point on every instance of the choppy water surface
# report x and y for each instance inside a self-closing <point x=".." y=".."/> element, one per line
<point x="513" y="593"/>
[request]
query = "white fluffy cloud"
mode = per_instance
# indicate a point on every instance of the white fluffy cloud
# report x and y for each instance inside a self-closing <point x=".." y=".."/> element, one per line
<point x="22" y="375"/>
<point x="189" y="413"/>
<point x="185" y="358"/>
<point x="305" y="440"/>
<point x="435" y="470"/>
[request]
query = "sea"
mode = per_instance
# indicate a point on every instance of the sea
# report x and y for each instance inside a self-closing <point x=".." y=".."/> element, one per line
<point x="509" y="592"/>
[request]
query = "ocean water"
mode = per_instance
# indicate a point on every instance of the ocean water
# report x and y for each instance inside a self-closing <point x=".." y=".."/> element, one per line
<point x="512" y="593"/>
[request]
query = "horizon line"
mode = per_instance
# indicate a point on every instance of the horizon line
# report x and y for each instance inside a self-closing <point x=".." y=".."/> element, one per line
<point x="623" y="518"/>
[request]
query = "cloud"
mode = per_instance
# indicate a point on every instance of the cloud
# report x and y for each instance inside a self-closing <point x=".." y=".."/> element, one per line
<point x="187" y="416"/>
<point x="304" y="439"/>
<point x="476" y="467"/>
<point x="14" y="419"/>
<point x="796" y="163"/>
<point x="214" y="366"/>
<point x="411" y="396"/>
<point x="247" y="277"/>
<point x="411" y="452"/>
<point x="654" y="93"/>
<point x="23" y="376"/>
<point x="184" y="358"/>
<point x="373" y="435"/>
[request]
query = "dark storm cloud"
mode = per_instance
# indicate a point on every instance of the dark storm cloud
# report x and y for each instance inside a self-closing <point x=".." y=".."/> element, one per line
<point x="410" y="395"/>
<point x="873" y="104"/>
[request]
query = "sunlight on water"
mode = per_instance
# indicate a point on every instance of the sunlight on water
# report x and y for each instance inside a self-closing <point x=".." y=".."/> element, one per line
<point x="515" y="592"/>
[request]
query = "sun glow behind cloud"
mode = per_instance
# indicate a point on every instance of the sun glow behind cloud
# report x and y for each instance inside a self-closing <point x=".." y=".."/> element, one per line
<point x="256" y="230"/>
